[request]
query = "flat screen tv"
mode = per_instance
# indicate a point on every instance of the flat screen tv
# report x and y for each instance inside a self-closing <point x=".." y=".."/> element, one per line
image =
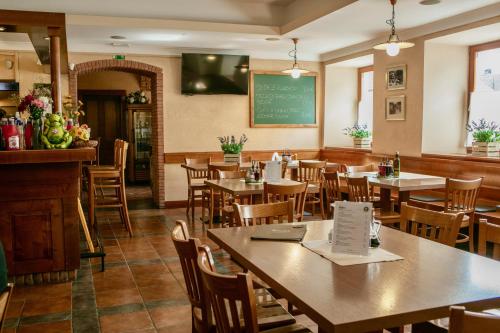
<point x="214" y="74"/>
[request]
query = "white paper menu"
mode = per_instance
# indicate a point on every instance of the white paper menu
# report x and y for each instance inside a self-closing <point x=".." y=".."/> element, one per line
<point x="351" y="227"/>
<point x="273" y="170"/>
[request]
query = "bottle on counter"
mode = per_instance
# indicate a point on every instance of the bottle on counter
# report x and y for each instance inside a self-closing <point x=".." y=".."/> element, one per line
<point x="3" y="123"/>
<point x="28" y="135"/>
<point x="11" y="136"/>
<point x="397" y="165"/>
<point x="69" y="124"/>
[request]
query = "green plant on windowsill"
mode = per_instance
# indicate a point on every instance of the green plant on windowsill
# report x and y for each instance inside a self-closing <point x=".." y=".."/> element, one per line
<point x="358" y="131"/>
<point x="229" y="145"/>
<point x="484" y="131"/>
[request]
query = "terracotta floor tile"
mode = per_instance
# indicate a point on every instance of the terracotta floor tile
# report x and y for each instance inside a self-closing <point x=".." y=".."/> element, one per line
<point x="49" y="305"/>
<point x="38" y="292"/>
<point x="183" y="328"/>
<point x="114" y="297"/>
<point x="171" y="315"/>
<point x="148" y="269"/>
<point x="125" y="322"/>
<point x="54" y="327"/>
<point x="141" y="255"/>
<point x="154" y="279"/>
<point x="164" y="291"/>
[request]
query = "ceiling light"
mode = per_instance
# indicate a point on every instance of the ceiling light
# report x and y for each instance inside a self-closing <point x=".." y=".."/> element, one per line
<point x="393" y="44"/>
<point x="118" y="37"/>
<point x="119" y="44"/>
<point x="2" y="28"/>
<point x="211" y="57"/>
<point x="46" y="38"/>
<point x="295" y="71"/>
<point x="272" y="39"/>
<point x="429" y="2"/>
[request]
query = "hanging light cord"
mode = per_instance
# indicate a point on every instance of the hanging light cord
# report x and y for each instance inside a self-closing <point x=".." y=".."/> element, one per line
<point x="293" y="53"/>
<point x="392" y="21"/>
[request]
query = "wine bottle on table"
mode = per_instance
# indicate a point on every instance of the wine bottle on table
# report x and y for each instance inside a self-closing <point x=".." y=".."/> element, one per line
<point x="397" y="165"/>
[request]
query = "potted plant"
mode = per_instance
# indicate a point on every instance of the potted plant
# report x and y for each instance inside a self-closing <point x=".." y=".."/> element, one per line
<point x="486" y="138"/>
<point x="232" y="148"/>
<point x="360" y="134"/>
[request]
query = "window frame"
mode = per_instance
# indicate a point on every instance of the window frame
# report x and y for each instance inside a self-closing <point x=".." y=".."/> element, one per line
<point x="362" y="70"/>
<point x="473" y="50"/>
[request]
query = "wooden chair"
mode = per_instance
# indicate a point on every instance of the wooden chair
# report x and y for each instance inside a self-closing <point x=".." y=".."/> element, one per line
<point x="227" y="200"/>
<point x="488" y="233"/>
<point x="233" y="304"/>
<point x="462" y="321"/>
<point x="284" y="165"/>
<point x="114" y="179"/>
<point x="280" y="193"/>
<point x="360" y="191"/>
<point x="247" y="215"/>
<point x="436" y="226"/>
<point x="270" y="313"/>
<point x="311" y="171"/>
<point x="361" y="168"/>
<point x="231" y="174"/>
<point x="331" y="182"/>
<point x="196" y="186"/>
<point x="336" y="168"/>
<point x="213" y="169"/>
<point x="461" y="197"/>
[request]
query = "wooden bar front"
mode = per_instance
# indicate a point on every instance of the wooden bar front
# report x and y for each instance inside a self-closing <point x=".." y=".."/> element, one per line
<point x="39" y="225"/>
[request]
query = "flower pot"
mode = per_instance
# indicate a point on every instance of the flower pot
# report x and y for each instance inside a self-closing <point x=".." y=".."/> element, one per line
<point x="362" y="142"/>
<point x="232" y="158"/>
<point x="490" y="149"/>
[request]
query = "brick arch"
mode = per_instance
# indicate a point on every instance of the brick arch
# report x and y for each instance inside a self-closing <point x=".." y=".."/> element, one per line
<point x="156" y="75"/>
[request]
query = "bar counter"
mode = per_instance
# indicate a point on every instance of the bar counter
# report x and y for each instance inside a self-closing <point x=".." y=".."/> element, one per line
<point x="39" y="223"/>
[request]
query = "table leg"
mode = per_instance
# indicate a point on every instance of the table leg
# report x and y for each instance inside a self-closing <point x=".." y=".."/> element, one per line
<point x="403" y="196"/>
<point x="211" y="213"/>
<point x="385" y="199"/>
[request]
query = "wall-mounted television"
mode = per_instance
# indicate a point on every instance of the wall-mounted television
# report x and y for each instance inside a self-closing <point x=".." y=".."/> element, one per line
<point x="214" y="74"/>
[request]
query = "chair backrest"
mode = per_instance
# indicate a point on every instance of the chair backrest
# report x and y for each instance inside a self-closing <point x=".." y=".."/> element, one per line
<point x="214" y="174"/>
<point x="331" y="182"/>
<point x="196" y="174"/>
<point x="187" y="250"/>
<point x="284" y="165"/>
<point x="359" y="189"/>
<point x="489" y="233"/>
<point x="121" y="148"/>
<point x="462" y="321"/>
<point x="362" y="168"/>
<point x="336" y="168"/>
<point x="231" y="296"/>
<point x="247" y="215"/>
<point x="436" y="226"/>
<point x="281" y="193"/>
<point x="311" y="171"/>
<point x="231" y="174"/>
<point x="461" y="195"/>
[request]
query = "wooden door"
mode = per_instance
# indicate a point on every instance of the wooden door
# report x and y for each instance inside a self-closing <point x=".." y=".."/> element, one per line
<point x="103" y="114"/>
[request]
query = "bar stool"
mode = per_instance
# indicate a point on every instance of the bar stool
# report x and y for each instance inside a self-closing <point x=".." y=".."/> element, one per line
<point x="110" y="178"/>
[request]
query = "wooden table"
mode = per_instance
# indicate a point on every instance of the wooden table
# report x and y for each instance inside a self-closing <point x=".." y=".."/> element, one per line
<point x="406" y="183"/>
<point x="238" y="187"/>
<point x="368" y="297"/>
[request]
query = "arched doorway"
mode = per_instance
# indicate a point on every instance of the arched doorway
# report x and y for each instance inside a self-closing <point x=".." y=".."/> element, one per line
<point x="156" y="75"/>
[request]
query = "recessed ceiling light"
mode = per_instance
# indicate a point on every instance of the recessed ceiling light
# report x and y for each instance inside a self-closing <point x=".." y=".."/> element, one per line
<point x="272" y="39"/>
<point x="211" y="57"/>
<point x="46" y="38"/>
<point x="429" y="2"/>
<point x="2" y="28"/>
<point x="119" y="44"/>
<point x="118" y="37"/>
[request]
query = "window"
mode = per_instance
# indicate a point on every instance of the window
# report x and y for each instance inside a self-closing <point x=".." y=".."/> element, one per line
<point x="484" y="83"/>
<point x="365" y="96"/>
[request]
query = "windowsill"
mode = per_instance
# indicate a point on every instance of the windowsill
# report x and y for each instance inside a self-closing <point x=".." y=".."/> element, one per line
<point x="463" y="157"/>
<point x="354" y="149"/>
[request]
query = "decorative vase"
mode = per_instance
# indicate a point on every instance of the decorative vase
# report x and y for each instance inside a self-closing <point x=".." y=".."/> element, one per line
<point x="489" y="149"/>
<point x="37" y="134"/>
<point x="232" y="158"/>
<point x="362" y="142"/>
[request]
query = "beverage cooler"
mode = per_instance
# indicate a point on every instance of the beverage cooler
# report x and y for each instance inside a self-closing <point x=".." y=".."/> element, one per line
<point x="141" y="145"/>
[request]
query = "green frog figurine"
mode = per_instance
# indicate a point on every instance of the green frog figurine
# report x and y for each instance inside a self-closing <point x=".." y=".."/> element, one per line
<point x="54" y="134"/>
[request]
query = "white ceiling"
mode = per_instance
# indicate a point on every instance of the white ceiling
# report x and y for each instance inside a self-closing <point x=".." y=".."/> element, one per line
<point x="168" y="27"/>
<point x="471" y="37"/>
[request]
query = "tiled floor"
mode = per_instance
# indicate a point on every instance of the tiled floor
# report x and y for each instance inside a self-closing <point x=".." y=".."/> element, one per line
<point x="141" y="290"/>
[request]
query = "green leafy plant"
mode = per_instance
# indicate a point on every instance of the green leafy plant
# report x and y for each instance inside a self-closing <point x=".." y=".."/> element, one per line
<point x="484" y="131"/>
<point x="358" y="131"/>
<point x="229" y="145"/>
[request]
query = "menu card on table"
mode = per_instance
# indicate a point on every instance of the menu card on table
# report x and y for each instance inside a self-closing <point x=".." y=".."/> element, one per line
<point x="351" y="227"/>
<point x="273" y="171"/>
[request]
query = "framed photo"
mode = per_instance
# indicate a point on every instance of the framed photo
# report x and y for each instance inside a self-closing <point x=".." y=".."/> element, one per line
<point x="395" y="107"/>
<point x="395" y="77"/>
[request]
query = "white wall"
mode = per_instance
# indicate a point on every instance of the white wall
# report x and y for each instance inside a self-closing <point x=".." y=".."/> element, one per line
<point x="341" y="94"/>
<point x="445" y="95"/>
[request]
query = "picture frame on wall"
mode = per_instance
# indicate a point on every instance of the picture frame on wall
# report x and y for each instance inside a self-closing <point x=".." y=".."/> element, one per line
<point x="395" y="77"/>
<point x="395" y="107"/>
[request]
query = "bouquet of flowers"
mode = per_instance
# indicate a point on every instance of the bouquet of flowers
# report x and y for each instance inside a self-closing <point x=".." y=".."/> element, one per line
<point x="358" y="131"/>
<point x="72" y="111"/>
<point x="137" y="97"/>
<point x="484" y="131"/>
<point x="35" y="104"/>
<point x="229" y="145"/>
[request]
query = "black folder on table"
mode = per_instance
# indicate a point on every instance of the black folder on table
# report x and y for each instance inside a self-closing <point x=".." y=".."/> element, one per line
<point x="280" y="232"/>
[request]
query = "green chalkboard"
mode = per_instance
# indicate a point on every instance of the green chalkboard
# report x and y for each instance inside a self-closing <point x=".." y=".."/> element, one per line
<point x="278" y="100"/>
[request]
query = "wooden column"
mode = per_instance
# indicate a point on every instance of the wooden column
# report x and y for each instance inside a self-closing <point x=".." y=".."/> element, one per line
<point x="55" y="68"/>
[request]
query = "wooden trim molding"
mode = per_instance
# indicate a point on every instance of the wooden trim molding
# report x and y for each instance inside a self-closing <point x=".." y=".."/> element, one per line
<point x="473" y="50"/>
<point x="178" y="158"/>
